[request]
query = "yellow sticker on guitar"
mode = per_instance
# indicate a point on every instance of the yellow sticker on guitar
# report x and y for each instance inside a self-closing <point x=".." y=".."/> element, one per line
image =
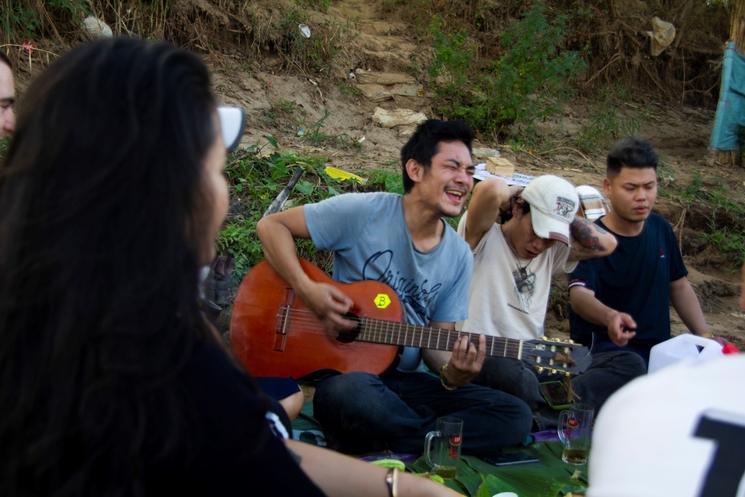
<point x="382" y="301"/>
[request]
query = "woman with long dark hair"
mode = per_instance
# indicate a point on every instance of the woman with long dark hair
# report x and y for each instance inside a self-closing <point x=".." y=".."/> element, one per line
<point x="111" y="380"/>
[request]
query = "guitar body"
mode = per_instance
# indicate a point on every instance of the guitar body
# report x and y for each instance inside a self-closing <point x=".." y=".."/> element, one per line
<point x="273" y="333"/>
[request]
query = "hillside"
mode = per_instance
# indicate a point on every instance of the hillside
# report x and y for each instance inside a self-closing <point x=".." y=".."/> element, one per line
<point x="317" y="96"/>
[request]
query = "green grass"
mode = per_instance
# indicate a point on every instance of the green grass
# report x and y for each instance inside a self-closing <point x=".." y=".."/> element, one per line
<point x="722" y="209"/>
<point x="525" y="84"/>
<point x="282" y="111"/>
<point x="316" y="136"/>
<point x="606" y="123"/>
<point x="349" y="90"/>
<point x="254" y="182"/>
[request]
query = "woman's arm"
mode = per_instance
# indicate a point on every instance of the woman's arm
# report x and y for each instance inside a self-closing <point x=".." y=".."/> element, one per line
<point x="341" y="476"/>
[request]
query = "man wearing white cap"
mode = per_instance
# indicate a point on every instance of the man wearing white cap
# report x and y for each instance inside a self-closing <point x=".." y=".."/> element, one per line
<point x="513" y="266"/>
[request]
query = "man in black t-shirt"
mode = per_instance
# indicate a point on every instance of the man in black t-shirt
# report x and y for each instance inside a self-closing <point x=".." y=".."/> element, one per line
<point x="623" y="299"/>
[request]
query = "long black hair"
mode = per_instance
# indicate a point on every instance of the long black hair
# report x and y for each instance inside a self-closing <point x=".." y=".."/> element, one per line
<point x="102" y="226"/>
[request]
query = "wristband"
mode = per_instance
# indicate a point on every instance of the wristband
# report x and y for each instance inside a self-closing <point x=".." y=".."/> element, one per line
<point x="391" y="480"/>
<point x="444" y="381"/>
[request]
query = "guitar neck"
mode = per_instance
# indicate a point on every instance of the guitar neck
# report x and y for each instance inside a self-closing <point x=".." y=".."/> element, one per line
<point x="426" y="337"/>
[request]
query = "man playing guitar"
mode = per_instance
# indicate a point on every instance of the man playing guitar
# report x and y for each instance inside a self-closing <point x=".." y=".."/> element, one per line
<point x="403" y="241"/>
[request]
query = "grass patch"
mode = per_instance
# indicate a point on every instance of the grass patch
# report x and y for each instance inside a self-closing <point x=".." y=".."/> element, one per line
<point x="349" y="90"/>
<point x="255" y="180"/>
<point x="717" y="213"/>
<point x="321" y="5"/>
<point x="282" y="111"/>
<point x="527" y="82"/>
<point x="316" y="136"/>
<point x="606" y="124"/>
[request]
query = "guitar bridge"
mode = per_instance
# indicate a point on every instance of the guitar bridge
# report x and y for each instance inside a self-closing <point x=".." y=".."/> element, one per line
<point x="283" y="322"/>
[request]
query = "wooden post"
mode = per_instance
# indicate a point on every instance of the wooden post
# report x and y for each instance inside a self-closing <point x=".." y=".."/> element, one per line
<point x="737" y="34"/>
<point x="737" y="25"/>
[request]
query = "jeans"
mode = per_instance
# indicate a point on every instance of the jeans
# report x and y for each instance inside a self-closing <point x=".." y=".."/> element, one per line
<point x="608" y="372"/>
<point x="361" y="412"/>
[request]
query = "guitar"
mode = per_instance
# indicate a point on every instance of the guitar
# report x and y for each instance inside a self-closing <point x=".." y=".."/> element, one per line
<point x="273" y="333"/>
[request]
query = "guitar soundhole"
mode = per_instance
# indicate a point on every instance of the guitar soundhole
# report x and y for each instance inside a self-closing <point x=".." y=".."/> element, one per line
<point x="351" y="335"/>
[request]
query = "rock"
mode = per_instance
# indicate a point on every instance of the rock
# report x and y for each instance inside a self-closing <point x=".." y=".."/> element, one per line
<point x="378" y="93"/>
<point x="406" y="130"/>
<point x="94" y="28"/>
<point x="484" y="152"/>
<point x="500" y="166"/>
<point x="385" y="78"/>
<point x="397" y="117"/>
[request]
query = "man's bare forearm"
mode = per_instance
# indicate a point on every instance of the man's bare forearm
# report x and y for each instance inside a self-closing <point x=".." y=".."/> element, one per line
<point x="588" y="307"/>
<point x="688" y="307"/>
<point x="278" y="243"/>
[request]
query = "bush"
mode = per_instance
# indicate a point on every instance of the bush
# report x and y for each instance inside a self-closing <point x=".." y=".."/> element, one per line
<point x="526" y="83"/>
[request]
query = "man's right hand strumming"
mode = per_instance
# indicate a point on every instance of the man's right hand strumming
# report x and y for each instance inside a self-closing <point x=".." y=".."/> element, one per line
<point x="330" y="305"/>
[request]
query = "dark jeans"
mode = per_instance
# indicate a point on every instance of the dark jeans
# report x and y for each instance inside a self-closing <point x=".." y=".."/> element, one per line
<point x="361" y="412"/>
<point x="608" y="372"/>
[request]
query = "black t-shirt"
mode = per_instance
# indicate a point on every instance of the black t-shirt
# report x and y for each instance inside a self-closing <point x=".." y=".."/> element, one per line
<point x="634" y="279"/>
<point x="230" y="448"/>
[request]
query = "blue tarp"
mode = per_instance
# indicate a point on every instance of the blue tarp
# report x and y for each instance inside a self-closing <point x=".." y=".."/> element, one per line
<point x="731" y="105"/>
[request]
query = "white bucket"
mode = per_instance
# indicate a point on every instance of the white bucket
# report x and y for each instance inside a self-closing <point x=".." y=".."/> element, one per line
<point x="591" y="202"/>
<point x="685" y="346"/>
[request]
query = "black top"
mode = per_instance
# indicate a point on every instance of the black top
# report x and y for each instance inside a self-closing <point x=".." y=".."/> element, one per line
<point x="634" y="279"/>
<point x="230" y="447"/>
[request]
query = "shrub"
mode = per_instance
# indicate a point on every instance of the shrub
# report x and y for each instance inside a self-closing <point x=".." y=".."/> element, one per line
<point x="524" y="84"/>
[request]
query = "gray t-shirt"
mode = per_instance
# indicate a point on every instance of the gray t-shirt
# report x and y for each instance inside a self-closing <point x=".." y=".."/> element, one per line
<point x="370" y="239"/>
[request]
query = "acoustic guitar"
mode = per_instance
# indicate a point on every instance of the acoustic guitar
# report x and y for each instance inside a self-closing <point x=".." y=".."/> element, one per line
<point x="273" y="333"/>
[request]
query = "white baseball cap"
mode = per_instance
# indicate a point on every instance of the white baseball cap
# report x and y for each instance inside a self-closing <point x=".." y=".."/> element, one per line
<point x="232" y="122"/>
<point x="553" y="204"/>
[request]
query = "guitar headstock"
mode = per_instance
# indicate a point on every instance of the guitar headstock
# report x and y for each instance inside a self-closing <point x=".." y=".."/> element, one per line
<point x="556" y="356"/>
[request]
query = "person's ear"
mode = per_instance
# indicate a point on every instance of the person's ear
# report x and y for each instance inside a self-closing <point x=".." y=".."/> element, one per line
<point x="606" y="186"/>
<point x="517" y="207"/>
<point x="415" y="170"/>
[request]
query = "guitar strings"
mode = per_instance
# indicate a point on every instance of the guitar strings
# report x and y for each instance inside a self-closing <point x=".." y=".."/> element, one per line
<point x="376" y="328"/>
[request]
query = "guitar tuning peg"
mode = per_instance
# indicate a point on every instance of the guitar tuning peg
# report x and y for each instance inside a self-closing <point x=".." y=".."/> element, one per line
<point x="544" y="337"/>
<point x="567" y="374"/>
<point x="554" y="371"/>
<point x="540" y="369"/>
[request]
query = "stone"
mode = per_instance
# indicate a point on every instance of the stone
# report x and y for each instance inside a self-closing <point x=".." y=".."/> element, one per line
<point x="94" y="28"/>
<point x="397" y="117"/>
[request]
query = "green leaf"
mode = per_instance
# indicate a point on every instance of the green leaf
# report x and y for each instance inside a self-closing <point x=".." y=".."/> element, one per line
<point x="305" y="187"/>
<point x="272" y="141"/>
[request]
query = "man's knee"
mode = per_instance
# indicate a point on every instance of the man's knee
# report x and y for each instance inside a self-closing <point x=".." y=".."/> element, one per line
<point x="624" y="363"/>
<point x="511" y="376"/>
<point x="514" y="418"/>
<point x="344" y="392"/>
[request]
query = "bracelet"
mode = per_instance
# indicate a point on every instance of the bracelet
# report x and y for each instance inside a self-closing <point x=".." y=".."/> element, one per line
<point x="444" y="381"/>
<point x="391" y="479"/>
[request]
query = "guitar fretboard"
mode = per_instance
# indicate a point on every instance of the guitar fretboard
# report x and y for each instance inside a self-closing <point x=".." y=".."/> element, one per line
<point x="393" y="333"/>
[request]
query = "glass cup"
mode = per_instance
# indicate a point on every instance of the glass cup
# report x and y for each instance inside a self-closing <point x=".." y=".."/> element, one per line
<point x="575" y="433"/>
<point x="442" y="447"/>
